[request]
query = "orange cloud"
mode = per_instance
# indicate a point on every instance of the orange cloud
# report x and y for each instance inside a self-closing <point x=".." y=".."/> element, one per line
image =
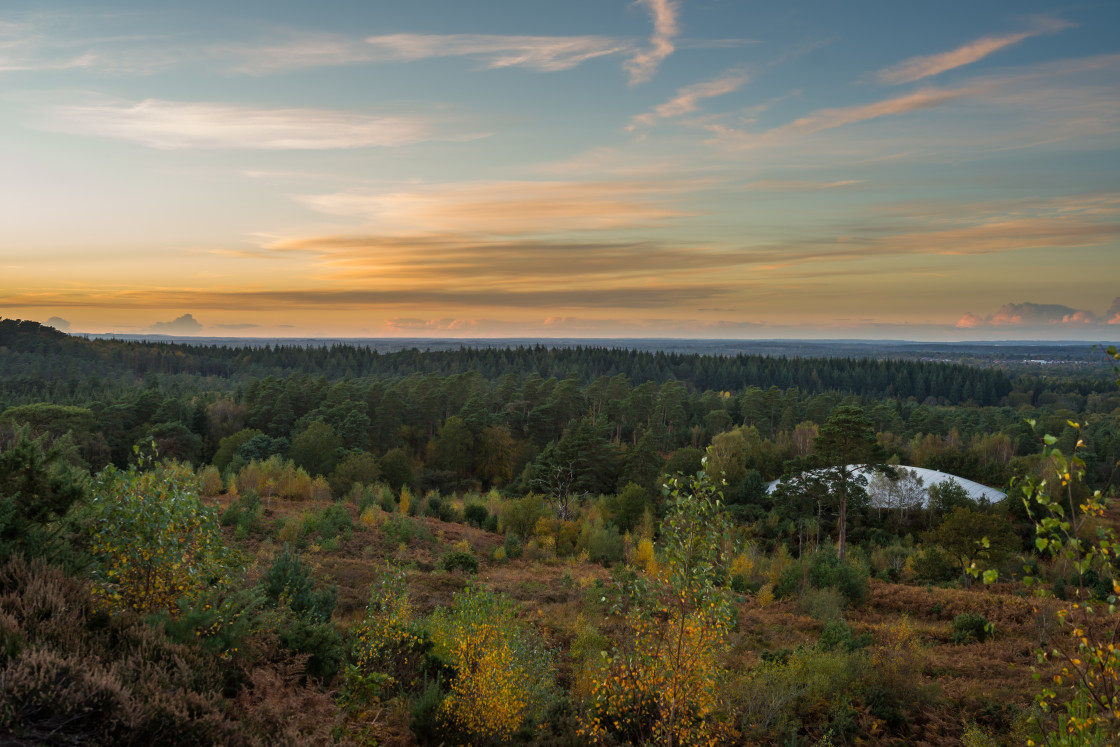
<point x="643" y="65"/>
<point x="926" y="66"/>
<point x="1037" y="315"/>
<point x="510" y="207"/>
<point x="688" y="99"/>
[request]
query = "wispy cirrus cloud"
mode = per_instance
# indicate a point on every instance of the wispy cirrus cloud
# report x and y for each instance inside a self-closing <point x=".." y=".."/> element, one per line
<point x="798" y="185"/>
<point x="511" y="207"/>
<point x="544" y="53"/>
<point x="927" y="66"/>
<point x="688" y="98"/>
<point x="643" y="65"/>
<point x="172" y="125"/>
<point x="826" y="119"/>
<point x="24" y="46"/>
<point x="1034" y="106"/>
<point x="297" y="52"/>
<point x="832" y="118"/>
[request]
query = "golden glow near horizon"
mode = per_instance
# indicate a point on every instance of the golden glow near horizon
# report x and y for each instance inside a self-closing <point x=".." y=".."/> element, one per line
<point x="659" y="168"/>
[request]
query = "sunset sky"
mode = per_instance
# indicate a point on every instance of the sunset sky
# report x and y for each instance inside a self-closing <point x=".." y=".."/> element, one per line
<point x="475" y="168"/>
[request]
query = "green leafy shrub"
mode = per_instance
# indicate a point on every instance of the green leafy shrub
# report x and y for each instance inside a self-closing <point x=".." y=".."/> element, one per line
<point x="837" y="635"/>
<point x="603" y="543"/>
<point x="934" y="565"/>
<point x="335" y="521"/>
<point x="476" y="514"/>
<point x="402" y="529"/>
<point x="244" y="513"/>
<point x="504" y="675"/>
<point x="850" y="579"/>
<point x="519" y="517"/>
<point x="771" y="699"/>
<point x="154" y="541"/>
<point x="824" y="570"/>
<point x="512" y="547"/>
<point x="459" y="560"/>
<point x="386" y="499"/>
<point x="970" y="626"/>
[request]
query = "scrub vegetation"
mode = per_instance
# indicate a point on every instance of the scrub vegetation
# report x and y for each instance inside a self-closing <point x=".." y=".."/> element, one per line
<point x="335" y="546"/>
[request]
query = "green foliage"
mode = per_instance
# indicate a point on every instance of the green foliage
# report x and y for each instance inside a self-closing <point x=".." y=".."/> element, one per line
<point x="356" y="468"/>
<point x="846" y="440"/>
<point x="626" y="508"/>
<point x="970" y="626"/>
<point x="317" y="449"/>
<point x="153" y="540"/>
<point x="221" y="619"/>
<point x="972" y="536"/>
<point x="424" y="721"/>
<point x="1088" y="656"/>
<point x="229" y="446"/>
<point x="402" y="529"/>
<point x="934" y="565"/>
<point x="459" y="560"/>
<point x="288" y="583"/>
<point x="825" y="604"/>
<point x="824" y="570"/>
<point x="519" y="517"/>
<point x="849" y="578"/>
<point x="396" y="470"/>
<point x="244" y="513"/>
<point x="947" y="496"/>
<point x="771" y="699"/>
<point x="603" y="543"/>
<point x="687" y="461"/>
<point x="76" y="425"/>
<point x="335" y="521"/>
<point x="837" y="635"/>
<point x="38" y="486"/>
<point x="320" y="641"/>
<point x="304" y="620"/>
<point x="476" y="514"/>
<point x="662" y="685"/>
<point x="512" y="547"/>
<point x="504" y="676"/>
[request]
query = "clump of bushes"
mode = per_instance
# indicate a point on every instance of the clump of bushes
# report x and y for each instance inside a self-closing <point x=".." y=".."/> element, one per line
<point x="462" y="560"/>
<point x="969" y="627"/>
<point x="402" y="529"/>
<point x="476" y="514"/>
<point x="244" y="513"/>
<point x="824" y="570"/>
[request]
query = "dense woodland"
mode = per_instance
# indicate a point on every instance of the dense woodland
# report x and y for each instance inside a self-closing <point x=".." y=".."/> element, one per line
<point x="451" y="496"/>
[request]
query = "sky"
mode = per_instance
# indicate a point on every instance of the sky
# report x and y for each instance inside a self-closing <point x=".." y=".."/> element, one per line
<point x="598" y="168"/>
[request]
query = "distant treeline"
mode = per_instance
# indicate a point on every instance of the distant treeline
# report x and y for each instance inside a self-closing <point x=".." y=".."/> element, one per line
<point x="41" y="363"/>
